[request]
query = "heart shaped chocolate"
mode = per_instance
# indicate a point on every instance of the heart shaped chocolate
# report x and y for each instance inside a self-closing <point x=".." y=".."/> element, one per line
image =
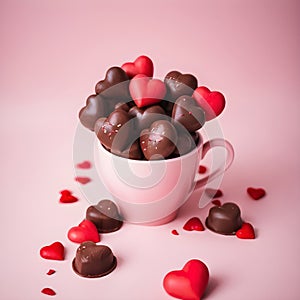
<point x="180" y="84"/>
<point x="187" y="112"/>
<point x="133" y="151"/>
<point x="186" y="142"/>
<point x="114" y="85"/>
<point x="105" y="216"/>
<point x="158" y="142"/>
<point x="94" y="109"/>
<point x="108" y="133"/>
<point x="93" y="260"/>
<point x="144" y="117"/>
<point x="225" y="219"/>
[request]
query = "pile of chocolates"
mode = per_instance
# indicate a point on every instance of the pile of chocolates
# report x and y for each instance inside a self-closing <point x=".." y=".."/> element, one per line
<point x="139" y="117"/>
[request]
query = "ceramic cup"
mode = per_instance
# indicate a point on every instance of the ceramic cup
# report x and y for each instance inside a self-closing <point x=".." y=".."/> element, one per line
<point x="151" y="192"/>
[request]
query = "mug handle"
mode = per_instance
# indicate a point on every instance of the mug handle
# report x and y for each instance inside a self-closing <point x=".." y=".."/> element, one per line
<point x="228" y="161"/>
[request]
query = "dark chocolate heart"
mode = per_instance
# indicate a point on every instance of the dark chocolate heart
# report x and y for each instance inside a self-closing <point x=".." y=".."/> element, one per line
<point x="123" y="106"/>
<point x="94" y="109"/>
<point x="114" y="85"/>
<point x="225" y="219"/>
<point x="143" y="118"/>
<point x="133" y="151"/>
<point x="187" y="112"/>
<point x="114" y="131"/>
<point x="105" y="216"/>
<point x="180" y="84"/>
<point x="93" y="260"/>
<point x="158" y="142"/>
<point x="186" y="142"/>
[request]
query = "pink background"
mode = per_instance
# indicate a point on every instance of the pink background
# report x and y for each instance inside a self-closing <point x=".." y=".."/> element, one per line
<point x="52" y="54"/>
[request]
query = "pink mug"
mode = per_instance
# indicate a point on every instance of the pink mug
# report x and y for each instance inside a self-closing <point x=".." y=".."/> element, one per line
<point x="151" y="192"/>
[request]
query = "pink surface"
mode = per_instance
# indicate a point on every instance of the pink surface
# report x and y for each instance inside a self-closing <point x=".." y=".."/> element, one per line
<point x="52" y="54"/>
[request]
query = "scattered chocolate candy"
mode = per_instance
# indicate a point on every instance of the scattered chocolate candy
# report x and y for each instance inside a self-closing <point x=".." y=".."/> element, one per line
<point x="48" y="291"/>
<point x="246" y="232"/>
<point x="193" y="224"/>
<point x="94" y="109"/>
<point x="180" y="84"/>
<point x="202" y="169"/>
<point x="67" y="197"/>
<point x="158" y="142"/>
<point x="83" y="179"/>
<point x="93" y="260"/>
<point x="256" y="194"/>
<point x="85" y="231"/>
<point x="84" y="165"/>
<point x="187" y="112"/>
<point x="216" y="202"/>
<point x="225" y="219"/>
<point x="117" y="78"/>
<point x="105" y="216"/>
<point x="50" y="272"/>
<point x="55" y="251"/>
<point x="174" y="232"/>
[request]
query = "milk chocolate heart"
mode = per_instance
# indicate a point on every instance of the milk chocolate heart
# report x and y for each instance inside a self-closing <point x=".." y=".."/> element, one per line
<point x="95" y="108"/>
<point x="142" y="65"/>
<point x="158" y="142"/>
<point x="186" y="142"/>
<point x="133" y="151"/>
<point x="114" y="85"/>
<point x="213" y="103"/>
<point x="144" y="117"/>
<point x="187" y="112"/>
<point x="108" y="130"/>
<point x="225" y="219"/>
<point x="93" y="260"/>
<point x="180" y="84"/>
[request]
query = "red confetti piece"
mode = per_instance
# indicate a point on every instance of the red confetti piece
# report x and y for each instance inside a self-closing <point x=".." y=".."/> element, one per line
<point x="246" y="232"/>
<point x="50" y="272"/>
<point x="48" y="291"/>
<point x="84" y="165"/>
<point x="214" y="193"/>
<point x="256" y="193"/>
<point x="202" y="169"/>
<point x="67" y="197"/>
<point x="193" y="224"/>
<point x="82" y="180"/>
<point x="175" y="232"/>
<point x="216" y="202"/>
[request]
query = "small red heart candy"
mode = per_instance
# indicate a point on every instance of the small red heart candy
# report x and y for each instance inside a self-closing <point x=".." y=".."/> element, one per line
<point x="85" y="231"/>
<point x="48" y="291"/>
<point x="216" y="202"/>
<point x="54" y="251"/>
<point x="212" y="193"/>
<point x="188" y="283"/>
<point x="256" y="193"/>
<point x="174" y="232"/>
<point x="202" y="169"/>
<point x="84" y="165"/>
<point x="193" y="224"/>
<point x="146" y="91"/>
<point x="142" y="65"/>
<point x="50" y="272"/>
<point x="83" y="180"/>
<point x="67" y="197"/>
<point x="212" y="103"/>
<point x="246" y="232"/>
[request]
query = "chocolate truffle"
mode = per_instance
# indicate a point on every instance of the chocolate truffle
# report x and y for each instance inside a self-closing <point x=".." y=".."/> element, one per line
<point x="93" y="260"/>
<point x="225" y="219"/>
<point x="105" y="216"/>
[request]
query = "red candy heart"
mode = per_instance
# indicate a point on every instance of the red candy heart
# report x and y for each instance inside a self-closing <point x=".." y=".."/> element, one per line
<point x="216" y="202"/>
<point x="142" y="65"/>
<point x="212" y="193"/>
<point x="213" y="103"/>
<point x="67" y="197"/>
<point x="85" y="231"/>
<point x="84" y="165"/>
<point x="202" y="169"/>
<point x="50" y="272"/>
<point x="246" y="232"/>
<point x="48" y="291"/>
<point x="175" y="232"/>
<point x="256" y="193"/>
<point x="193" y="224"/>
<point x="188" y="283"/>
<point x="54" y="251"/>
<point x="82" y="180"/>
<point x="146" y="91"/>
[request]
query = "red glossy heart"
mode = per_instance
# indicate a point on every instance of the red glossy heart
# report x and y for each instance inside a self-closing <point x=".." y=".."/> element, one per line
<point x="193" y="224"/>
<point x="246" y="232"/>
<point x="256" y="193"/>
<point x="213" y="103"/>
<point x="84" y="165"/>
<point x="67" y="197"/>
<point x="85" y="231"/>
<point x="146" y="91"/>
<point x="142" y="65"/>
<point x="188" y="283"/>
<point x="216" y="202"/>
<point x="48" y="291"/>
<point x="83" y="180"/>
<point x="54" y="251"/>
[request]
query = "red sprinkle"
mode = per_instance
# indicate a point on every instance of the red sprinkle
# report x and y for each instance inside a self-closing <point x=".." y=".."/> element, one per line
<point x="67" y="197"/>
<point x="193" y="224"/>
<point x="48" y="291"/>
<point x="202" y="169"/>
<point x="84" y="165"/>
<point x="175" y="232"/>
<point x="256" y="193"/>
<point x="214" y="193"/>
<point x="216" y="202"/>
<point x="82" y="180"/>
<point x="50" y="272"/>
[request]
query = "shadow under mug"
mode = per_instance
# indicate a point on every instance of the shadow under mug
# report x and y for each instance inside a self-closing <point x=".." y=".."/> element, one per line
<point x="151" y="192"/>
